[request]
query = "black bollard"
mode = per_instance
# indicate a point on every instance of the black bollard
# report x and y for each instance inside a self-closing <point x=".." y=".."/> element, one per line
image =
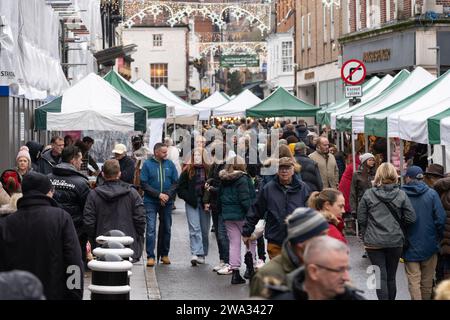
<point x="110" y="278"/>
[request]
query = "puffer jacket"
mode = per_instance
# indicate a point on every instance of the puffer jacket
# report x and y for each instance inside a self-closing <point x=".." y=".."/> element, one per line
<point x="443" y="189"/>
<point x="236" y="195"/>
<point x="71" y="191"/>
<point x="310" y="172"/>
<point x="359" y="185"/>
<point x="426" y="233"/>
<point x="378" y="226"/>
<point x="274" y="203"/>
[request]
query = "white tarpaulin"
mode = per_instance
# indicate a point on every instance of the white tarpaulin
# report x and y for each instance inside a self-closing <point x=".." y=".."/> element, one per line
<point x="445" y="133"/>
<point x="155" y="127"/>
<point x="91" y="104"/>
<point x="418" y="79"/>
<point x="429" y="96"/>
<point x="414" y="126"/>
<point x="375" y="91"/>
<point x="213" y="101"/>
<point x="32" y="27"/>
<point x="184" y="113"/>
<point x="237" y="107"/>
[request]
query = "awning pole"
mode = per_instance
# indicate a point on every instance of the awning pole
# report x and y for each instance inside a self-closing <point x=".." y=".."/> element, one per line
<point x="353" y="151"/>
<point x="444" y="159"/>
<point x="388" y="150"/>
<point x="342" y="141"/>
<point x="401" y="161"/>
<point x="429" y="153"/>
<point x="338" y="142"/>
<point x="366" y="142"/>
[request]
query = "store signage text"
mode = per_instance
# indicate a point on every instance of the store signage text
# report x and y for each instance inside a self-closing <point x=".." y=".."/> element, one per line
<point x="377" y="56"/>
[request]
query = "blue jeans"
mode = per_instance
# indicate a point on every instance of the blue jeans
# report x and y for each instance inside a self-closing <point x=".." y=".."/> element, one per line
<point x="221" y="236"/>
<point x="199" y="224"/>
<point x="165" y="213"/>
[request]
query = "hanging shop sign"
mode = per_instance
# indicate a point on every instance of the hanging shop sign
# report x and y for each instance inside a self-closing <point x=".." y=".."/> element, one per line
<point x="235" y="61"/>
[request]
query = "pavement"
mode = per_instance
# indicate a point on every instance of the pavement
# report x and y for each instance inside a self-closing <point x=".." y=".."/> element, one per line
<point x="180" y="281"/>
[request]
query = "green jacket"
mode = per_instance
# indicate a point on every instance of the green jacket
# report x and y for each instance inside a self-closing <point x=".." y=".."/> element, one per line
<point x="237" y="194"/>
<point x="277" y="269"/>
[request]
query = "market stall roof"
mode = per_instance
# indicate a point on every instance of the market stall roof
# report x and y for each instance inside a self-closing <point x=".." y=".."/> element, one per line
<point x="323" y="116"/>
<point x="213" y="101"/>
<point x="418" y="79"/>
<point x="155" y="109"/>
<point x="424" y="126"/>
<point x="384" y="123"/>
<point x="237" y="107"/>
<point x="282" y="104"/>
<point x="91" y="104"/>
<point x="378" y="88"/>
<point x="183" y="114"/>
<point x="182" y="108"/>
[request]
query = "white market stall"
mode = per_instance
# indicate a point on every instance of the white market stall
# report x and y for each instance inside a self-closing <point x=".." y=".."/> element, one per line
<point x="206" y="106"/>
<point x="91" y="104"/>
<point x="237" y="107"/>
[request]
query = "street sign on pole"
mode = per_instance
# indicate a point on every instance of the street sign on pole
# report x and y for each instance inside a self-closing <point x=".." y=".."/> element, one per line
<point x="353" y="72"/>
<point x="353" y="91"/>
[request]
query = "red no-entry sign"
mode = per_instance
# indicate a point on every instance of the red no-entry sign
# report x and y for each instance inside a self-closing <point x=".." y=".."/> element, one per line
<point x="353" y="72"/>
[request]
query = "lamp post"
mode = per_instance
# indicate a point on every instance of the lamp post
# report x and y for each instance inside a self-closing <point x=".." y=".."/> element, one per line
<point x="438" y="60"/>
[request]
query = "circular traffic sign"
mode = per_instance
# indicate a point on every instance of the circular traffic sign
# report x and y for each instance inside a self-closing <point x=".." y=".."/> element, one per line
<point x="353" y="72"/>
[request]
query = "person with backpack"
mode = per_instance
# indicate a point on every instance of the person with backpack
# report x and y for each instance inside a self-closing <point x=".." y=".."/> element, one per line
<point x="383" y="213"/>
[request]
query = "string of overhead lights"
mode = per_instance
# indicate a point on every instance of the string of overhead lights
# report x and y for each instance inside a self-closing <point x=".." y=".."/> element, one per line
<point x="233" y="48"/>
<point x="258" y="14"/>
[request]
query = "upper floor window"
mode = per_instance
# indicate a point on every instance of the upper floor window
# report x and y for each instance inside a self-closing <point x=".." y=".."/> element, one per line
<point x="157" y="40"/>
<point x="286" y="55"/>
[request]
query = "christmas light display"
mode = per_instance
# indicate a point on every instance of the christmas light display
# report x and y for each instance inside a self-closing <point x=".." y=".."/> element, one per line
<point x="330" y="3"/>
<point x="253" y="47"/>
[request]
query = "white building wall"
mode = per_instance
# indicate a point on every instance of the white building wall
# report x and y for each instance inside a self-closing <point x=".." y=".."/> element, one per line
<point x="275" y="75"/>
<point x="172" y="52"/>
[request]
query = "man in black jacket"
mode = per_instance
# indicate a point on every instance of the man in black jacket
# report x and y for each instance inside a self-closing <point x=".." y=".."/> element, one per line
<point x="277" y="199"/>
<point x="51" y="157"/>
<point x="127" y="165"/>
<point x="310" y="171"/>
<point x="71" y="189"/>
<point x="115" y="205"/>
<point x="41" y="238"/>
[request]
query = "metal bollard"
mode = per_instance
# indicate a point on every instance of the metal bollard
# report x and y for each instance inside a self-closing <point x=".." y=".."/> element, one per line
<point x="110" y="278"/>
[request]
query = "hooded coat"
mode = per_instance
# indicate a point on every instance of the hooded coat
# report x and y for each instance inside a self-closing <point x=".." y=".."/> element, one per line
<point x="71" y="191"/>
<point x="426" y="233"/>
<point x="237" y="194"/>
<point x="379" y="228"/>
<point x="278" y="268"/>
<point x="35" y="149"/>
<point x="116" y="206"/>
<point x="274" y="203"/>
<point x="41" y="238"/>
<point x="46" y="162"/>
<point x="443" y="188"/>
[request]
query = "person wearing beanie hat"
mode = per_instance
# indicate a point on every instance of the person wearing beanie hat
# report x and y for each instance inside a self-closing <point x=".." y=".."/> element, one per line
<point x="424" y="236"/>
<point x="303" y="225"/>
<point x="51" y="244"/>
<point x="361" y="181"/>
<point x="23" y="161"/>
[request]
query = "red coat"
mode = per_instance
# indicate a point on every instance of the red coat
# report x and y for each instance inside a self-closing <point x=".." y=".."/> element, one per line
<point x="346" y="183"/>
<point x="336" y="232"/>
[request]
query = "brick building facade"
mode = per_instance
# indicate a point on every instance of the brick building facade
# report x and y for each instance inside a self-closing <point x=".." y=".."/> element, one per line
<point x="388" y="35"/>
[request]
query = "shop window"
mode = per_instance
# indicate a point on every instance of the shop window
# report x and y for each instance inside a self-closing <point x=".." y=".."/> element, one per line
<point x="158" y="74"/>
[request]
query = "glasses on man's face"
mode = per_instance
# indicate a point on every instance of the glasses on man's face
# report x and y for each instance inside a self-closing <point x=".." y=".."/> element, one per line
<point x="339" y="270"/>
<point x="284" y="169"/>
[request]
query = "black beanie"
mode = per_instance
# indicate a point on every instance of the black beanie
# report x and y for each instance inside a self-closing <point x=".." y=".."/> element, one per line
<point x="37" y="182"/>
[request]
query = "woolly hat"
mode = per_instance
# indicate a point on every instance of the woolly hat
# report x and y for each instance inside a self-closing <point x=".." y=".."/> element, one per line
<point x="36" y="182"/>
<point x="304" y="224"/>
<point x="365" y="157"/>
<point x="24" y="152"/>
